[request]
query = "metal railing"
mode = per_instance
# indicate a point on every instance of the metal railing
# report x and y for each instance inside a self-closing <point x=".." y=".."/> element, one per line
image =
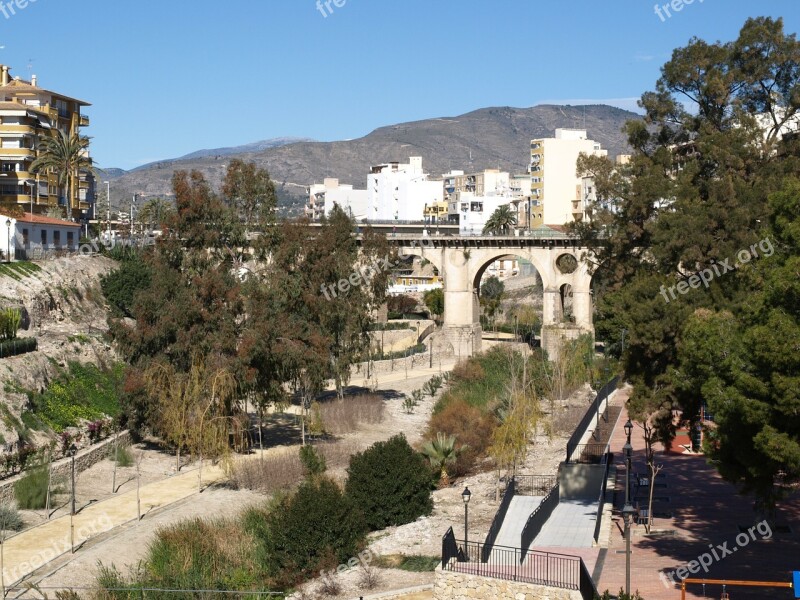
<point x="591" y="414"/>
<point x="538" y="518"/>
<point x="512" y="564"/>
<point x="535" y="485"/>
<point x="499" y="517"/>
<point x="600" y="503"/>
<point x="590" y="454"/>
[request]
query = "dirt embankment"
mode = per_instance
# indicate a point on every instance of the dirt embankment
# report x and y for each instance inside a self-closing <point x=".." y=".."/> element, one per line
<point x="64" y="308"/>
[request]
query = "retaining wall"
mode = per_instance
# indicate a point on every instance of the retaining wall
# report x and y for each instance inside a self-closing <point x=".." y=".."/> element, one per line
<point x="451" y="585"/>
<point x="84" y="459"/>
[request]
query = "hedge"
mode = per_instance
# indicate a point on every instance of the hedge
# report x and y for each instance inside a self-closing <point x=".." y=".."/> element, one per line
<point x="17" y="347"/>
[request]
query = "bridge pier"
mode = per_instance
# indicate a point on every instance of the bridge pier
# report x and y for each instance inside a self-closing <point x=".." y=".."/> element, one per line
<point x="465" y="339"/>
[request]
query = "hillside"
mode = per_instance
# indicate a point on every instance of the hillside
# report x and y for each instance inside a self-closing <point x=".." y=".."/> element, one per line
<point x="485" y="138"/>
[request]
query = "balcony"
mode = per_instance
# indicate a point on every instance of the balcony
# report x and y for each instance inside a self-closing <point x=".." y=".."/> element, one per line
<point x="17" y="153"/>
<point x="24" y="129"/>
<point x="84" y="121"/>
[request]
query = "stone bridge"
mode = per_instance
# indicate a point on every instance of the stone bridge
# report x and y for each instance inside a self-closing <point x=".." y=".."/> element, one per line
<point x="562" y="264"/>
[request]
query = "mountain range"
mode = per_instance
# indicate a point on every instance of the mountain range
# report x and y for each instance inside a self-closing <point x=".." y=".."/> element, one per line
<point x="486" y="138"/>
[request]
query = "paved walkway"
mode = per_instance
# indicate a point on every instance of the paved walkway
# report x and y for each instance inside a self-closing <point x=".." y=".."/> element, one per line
<point x="29" y="550"/>
<point x="704" y="510"/>
<point x="519" y="509"/>
<point x="571" y="525"/>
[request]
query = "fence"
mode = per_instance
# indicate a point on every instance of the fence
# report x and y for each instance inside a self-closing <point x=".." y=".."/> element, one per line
<point x="535" y="485"/>
<point x="590" y="454"/>
<point x="497" y="522"/>
<point x="513" y="564"/>
<point x="538" y="518"/>
<point x="591" y="413"/>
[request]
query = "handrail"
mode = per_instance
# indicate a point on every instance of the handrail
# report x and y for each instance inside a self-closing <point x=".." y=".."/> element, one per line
<point x="586" y="421"/>
<point x="601" y="500"/>
<point x="499" y="517"/>
<point x="503" y="562"/>
<point x="538" y="518"/>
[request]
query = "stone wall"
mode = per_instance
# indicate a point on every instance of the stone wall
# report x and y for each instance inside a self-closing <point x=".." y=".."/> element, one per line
<point x="451" y="585"/>
<point x="580" y="482"/>
<point x="62" y="468"/>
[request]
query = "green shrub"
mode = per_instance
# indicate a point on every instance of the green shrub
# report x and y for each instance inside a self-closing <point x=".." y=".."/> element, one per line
<point x="318" y="527"/>
<point x="121" y="286"/>
<point x="390" y="482"/>
<point x="31" y="490"/>
<point x="9" y="518"/>
<point x="10" y="319"/>
<point x="83" y="393"/>
<point x="313" y="461"/>
<point x="17" y="346"/>
<point x="123" y="457"/>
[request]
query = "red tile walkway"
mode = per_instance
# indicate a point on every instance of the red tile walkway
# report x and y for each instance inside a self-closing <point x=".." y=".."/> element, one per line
<point x="705" y="510"/>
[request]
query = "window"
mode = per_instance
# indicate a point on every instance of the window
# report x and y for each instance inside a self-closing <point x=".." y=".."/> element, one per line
<point x="477" y="207"/>
<point x="25" y="236"/>
<point x="70" y="239"/>
<point x="56" y="238"/>
<point x="44" y="237"/>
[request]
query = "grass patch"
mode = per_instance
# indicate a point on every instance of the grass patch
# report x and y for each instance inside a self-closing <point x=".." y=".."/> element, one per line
<point x="31" y="490"/>
<point x="19" y="270"/>
<point x="345" y="416"/>
<point x="10" y="519"/>
<point x="414" y="563"/>
<point x="123" y="457"/>
<point x="83" y="392"/>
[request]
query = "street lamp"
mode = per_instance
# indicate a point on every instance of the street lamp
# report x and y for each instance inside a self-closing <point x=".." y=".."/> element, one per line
<point x="466" y="495"/>
<point x="108" y="210"/>
<point x="8" y="239"/>
<point x="628" y="510"/>
<point x="627" y="514"/>
<point x="73" y="449"/>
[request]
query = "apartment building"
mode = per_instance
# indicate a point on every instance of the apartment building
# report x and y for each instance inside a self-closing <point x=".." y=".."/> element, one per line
<point x="323" y="197"/>
<point x="29" y="112"/>
<point x="400" y="192"/>
<point x="558" y="195"/>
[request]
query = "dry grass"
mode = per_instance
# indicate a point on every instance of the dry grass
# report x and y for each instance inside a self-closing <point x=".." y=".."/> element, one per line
<point x="285" y="470"/>
<point x="341" y="417"/>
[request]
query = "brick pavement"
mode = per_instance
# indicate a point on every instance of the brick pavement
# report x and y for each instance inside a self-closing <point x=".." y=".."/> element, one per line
<point x="705" y="510"/>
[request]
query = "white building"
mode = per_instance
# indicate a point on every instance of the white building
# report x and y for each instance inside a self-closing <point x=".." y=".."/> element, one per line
<point x="474" y="211"/>
<point x="30" y="237"/>
<point x="400" y="192"/>
<point x="557" y="193"/>
<point x="323" y="197"/>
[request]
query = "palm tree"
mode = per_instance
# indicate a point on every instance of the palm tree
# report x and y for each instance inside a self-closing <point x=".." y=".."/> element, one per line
<point x="442" y="453"/>
<point x="155" y="211"/>
<point x="64" y="154"/>
<point x="501" y="221"/>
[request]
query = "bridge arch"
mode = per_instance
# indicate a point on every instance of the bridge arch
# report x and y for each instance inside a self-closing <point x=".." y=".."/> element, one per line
<point x="563" y="266"/>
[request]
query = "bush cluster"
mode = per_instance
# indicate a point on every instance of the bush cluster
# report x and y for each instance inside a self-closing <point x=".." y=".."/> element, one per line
<point x="391" y="483"/>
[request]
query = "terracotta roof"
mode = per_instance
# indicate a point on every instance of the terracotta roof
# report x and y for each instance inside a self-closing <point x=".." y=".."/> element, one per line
<point x="42" y="220"/>
<point x="24" y="86"/>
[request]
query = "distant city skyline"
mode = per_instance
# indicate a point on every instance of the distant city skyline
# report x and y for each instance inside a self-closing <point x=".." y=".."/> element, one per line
<point x="165" y="81"/>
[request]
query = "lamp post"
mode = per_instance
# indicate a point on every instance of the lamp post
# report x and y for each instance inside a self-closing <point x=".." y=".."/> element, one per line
<point x="466" y="495"/>
<point x="8" y="240"/>
<point x="628" y="510"/>
<point x="108" y="211"/>
<point x="73" y="449"/>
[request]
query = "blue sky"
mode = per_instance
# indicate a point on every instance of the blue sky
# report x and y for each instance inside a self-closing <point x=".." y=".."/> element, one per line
<point x="170" y="77"/>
